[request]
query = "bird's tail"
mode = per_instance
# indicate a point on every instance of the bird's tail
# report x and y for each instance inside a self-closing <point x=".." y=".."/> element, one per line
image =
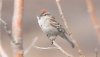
<point x="69" y="40"/>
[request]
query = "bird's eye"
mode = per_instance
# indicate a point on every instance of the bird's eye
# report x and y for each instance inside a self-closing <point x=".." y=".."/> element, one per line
<point x="46" y="14"/>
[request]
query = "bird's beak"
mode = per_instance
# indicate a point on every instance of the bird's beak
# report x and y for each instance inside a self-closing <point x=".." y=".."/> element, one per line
<point x="38" y="17"/>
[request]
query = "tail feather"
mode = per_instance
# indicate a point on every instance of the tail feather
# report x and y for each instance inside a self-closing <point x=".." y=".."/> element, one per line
<point x="68" y="39"/>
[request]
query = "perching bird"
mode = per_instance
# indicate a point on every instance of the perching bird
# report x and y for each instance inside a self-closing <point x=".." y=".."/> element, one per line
<point x="51" y="27"/>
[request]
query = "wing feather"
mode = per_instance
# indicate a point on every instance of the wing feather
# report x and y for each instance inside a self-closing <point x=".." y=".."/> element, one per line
<point x="57" y="25"/>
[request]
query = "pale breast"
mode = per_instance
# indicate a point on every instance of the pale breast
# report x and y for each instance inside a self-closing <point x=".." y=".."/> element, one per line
<point x="47" y="28"/>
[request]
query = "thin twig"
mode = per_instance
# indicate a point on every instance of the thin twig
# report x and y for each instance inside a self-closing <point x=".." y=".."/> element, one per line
<point x="2" y="52"/>
<point x="0" y="18"/>
<point x="93" y="18"/>
<point x="6" y="27"/>
<point x="31" y="45"/>
<point x="70" y="33"/>
<point x="2" y="21"/>
<point x="55" y="44"/>
<point x="8" y="31"/>
<point x="96" y="52"/>
<point x="56" y="47"/>
<point x="45" y="48"/>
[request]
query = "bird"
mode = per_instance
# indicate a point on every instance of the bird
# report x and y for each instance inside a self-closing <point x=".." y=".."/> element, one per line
<point x="52" y="28"/>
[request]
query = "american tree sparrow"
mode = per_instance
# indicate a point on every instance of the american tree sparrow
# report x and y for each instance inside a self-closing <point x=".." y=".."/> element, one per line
<point x="51" y="27"/>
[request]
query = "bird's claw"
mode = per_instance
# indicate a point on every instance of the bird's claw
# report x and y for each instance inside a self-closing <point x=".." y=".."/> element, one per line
<point x="52" y="40"/>
<point x="52" y="43"/>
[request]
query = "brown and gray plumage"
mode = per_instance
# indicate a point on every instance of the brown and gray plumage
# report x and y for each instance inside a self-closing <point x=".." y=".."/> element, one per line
<point x="51" y="27"/>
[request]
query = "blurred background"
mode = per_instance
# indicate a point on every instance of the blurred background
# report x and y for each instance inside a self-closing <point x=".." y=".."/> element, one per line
<point x="78" y="19"/>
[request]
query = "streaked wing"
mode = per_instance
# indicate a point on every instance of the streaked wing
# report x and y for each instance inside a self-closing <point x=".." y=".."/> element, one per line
<point x="57" y="25"/>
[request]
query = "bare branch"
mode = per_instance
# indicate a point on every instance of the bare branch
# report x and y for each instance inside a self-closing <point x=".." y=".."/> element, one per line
<point x="5" y="26"/>
<point x="45" y="48"/>
<point x="67" y="28"/>
<point x="93" y="18"/>
<point x="2" y="52"/>
<point x="96" y="52"/>
<point x="0" y="18"/>
<point x="2" y="21"/>
<point x="55" y="44"/>
<point x="56" y="47"/>
<point x="16" y="29"/>
<point x="31" y="45"/>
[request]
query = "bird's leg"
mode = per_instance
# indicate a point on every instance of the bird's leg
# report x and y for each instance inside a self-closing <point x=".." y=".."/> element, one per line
<point x="52" y="39"/>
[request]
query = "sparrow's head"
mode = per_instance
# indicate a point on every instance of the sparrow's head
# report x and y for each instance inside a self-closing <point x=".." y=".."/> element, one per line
<point x="44" y="12"/>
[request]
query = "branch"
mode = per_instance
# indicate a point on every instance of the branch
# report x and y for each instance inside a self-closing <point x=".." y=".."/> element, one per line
<point x="67" y="28"/>
<point x="93" y="18"/>
<point x="5" y="24"/>
<point x="6" y="27"/>
<point x="16" y="29"/>
<point x="56" y="47"/>
<point x="0" y="18"/>
<point x="96" y="52"/>
<point x="55" y="44"/>
<point x="45" y="48"/>
<point x="2" y="52"/>
<point x="31" y="45"/>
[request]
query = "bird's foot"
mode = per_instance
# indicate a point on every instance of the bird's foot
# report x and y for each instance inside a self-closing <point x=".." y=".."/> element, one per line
<point x="52" y="39"/>
<point x="52" y="43"/>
